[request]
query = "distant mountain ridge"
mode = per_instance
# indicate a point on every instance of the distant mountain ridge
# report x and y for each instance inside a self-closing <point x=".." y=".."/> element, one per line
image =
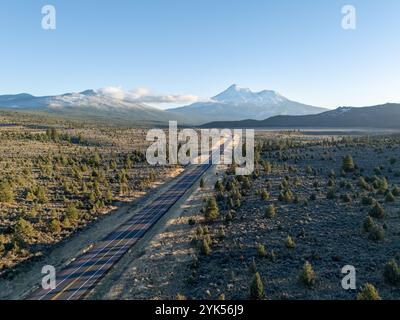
<point x="386" y="116"/>
<point x="88" y="104"/>
<point x="236" y="103"/>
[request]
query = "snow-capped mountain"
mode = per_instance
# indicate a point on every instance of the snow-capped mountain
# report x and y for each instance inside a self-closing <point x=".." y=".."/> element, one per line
<point x="87" y="104"/>
<point x="237" y="103"/>
<point x="236" y="95"/>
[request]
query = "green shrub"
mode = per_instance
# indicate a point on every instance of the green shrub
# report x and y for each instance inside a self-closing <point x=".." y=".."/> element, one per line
<point x="6" y="192"/>
<point x="396" y="191"/>
<point x="286" y="196"/>
<point x="261" y="252"/>
<point x="181" y="297"/>
<point x="257" y="288"/>
<point x="368" y="292"/>
<point x="55" y="226"/>
<point x="377" y="233"/>
<point x="331" y="195"/>
<point x="205" y="247"/>
<point x="72" y="213"/>
<point x="290" y="243"/>
<point x="368" y="224"/>
<point x="377" y="211"/>
<point x="307" y="275"/>
<point x="391" y="273"/>
<point x="219" y="186"/>
<point x="23" y="230"/>
<point x="271" y="211"/>
<point x="368" y="201"/>
<point x="202" y="183"/>
<point x="264" y="195"/>
<point x="363" y="184"/>
<point x="211" y="210"/>
<point x="348" y="164"/>
<point x="345" y="198"/>
<point x="390" y="197"/>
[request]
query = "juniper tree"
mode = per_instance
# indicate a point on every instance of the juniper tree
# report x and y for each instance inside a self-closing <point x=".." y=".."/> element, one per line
<point x="377" y="211"/>
<point x="264" y="195"/>
<point x="307" y="275"/>
<point x="348" y="164"/>
<point x="23" y="230"/>
<point x="290" y="243"/>
<point x="202" y="183"/>
<point x="257" y="288"/>
<point x="211" y="210"/>
<point x="205" y="247"/>
<point x="391" y="273"/>
<point x="270" y="211"/>
<point x="6" y="192"/>
<point x="261" y="252"/>
<point x="368" y="292"/>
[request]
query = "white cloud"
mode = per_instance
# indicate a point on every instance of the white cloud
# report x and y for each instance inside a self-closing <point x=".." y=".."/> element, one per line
<point x="144" y="95"/>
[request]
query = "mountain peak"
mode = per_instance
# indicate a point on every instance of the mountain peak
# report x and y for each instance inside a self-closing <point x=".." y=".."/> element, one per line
<point x="88" y="92"/>
<point x="235" y="94"/>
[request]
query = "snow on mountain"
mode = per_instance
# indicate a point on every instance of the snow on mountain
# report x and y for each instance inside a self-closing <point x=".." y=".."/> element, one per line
<point x="236" y="103"/>
<point x="237" y="95"/>
<point x="88" y="103"/>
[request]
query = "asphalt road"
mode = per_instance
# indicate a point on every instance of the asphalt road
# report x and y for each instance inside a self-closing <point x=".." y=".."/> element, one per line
<point x="78" y="278"/>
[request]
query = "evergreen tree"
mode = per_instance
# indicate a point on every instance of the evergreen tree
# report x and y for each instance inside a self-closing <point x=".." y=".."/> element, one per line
<point x="211" y="209"/>
<point x="257" y="288"/>
<point x="368" y="292"/>
<point x="348" y="164"/>
<point x="6" y="192"/>
<point x="307" y="275"/>
<point x="271" y="212"/>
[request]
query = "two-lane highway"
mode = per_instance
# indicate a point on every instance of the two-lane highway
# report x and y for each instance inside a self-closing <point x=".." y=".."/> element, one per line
<point x="79" y="278"/>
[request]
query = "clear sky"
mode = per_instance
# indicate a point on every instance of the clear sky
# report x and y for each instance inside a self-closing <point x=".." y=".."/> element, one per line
<point x="200" y="47"/>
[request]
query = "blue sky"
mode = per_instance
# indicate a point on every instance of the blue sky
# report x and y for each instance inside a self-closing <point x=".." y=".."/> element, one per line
<point x="200" y="47"/>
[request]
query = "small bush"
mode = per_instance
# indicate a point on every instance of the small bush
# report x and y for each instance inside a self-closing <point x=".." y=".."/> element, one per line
<point x="290" y="243"/>
<point x="368" y="292"/>
<point x="270" y="212"/>
<point x="261" y="252"/>
<point x="368" y="224"/>
<point x="180" y="296"/>
<point x="368" y="201"/>
<point x="55" y="226"/>
<point x="6" y="192"/>
<point x="286" y="196"/>
<point x="377" y="211"/>
<point x="345" y="198"/>
<point x="377" y="233"/>
<point x="23" y="230"/>
<point x="390" y="197"/>
<point x="264" y="195"/>
<point x="211" y="210"/>
<point x="202" y="183"/>
<point x="391" y="273"/>
<point x="331" y="195"/>
<point x="205" y="247"/>
<point x="348" y="164"/>
<point x="257" y="288"/>
<point x="307" y="275"/>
